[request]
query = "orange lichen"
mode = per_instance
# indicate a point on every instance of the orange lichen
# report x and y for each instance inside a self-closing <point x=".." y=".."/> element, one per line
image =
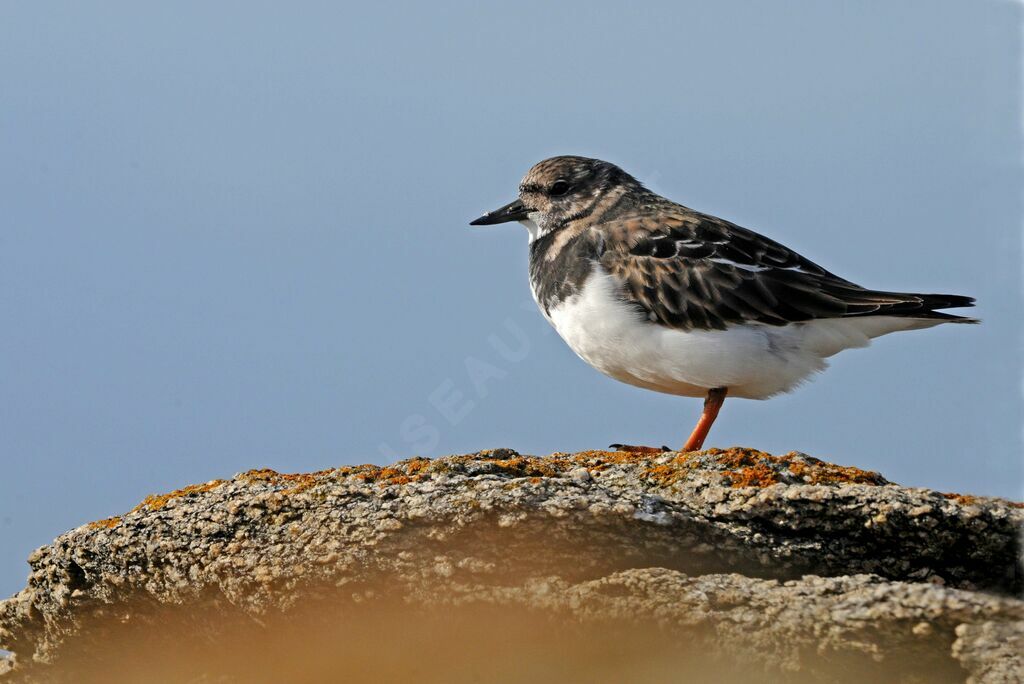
<point x="298" y="482"/>
<point x="272" y="476"/>
<point x="155" y="502"/>
<point x="556" y="464"/>
<point x="759" y="475"/>
<point x="597" y="460"/>
<point x="962" y="499"/>
<point x="415" y="466"/>
<point x="736" y="457"/>
<point x="108" y="523"/>
<point x="739" y="467"/>
<point x="751" y="468"/>
<point x="969" y="500"/>
<point x="758" y="469"/>
<point x="392" y="475"/>
<point x="402" y="472"/>
<point x="387" y="476"/>
<point x="666" y="474"/>
<point x="828" y="473"/>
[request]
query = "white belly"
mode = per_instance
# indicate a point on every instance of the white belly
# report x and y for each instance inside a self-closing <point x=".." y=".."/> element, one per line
<point x="753" y="361"/>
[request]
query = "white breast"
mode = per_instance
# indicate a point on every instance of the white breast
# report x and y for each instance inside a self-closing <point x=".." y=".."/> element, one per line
<point x="753" y="360"/>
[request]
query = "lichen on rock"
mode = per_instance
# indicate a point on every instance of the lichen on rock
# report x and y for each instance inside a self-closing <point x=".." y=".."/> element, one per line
<point x="767" y="563"/>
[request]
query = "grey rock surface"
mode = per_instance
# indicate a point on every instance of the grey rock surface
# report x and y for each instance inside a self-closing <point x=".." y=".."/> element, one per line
<point x="785" y="563"/>
<point x="991" y="651"/>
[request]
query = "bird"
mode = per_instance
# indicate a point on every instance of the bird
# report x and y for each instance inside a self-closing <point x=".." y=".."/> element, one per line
<point x="660" y="296"/>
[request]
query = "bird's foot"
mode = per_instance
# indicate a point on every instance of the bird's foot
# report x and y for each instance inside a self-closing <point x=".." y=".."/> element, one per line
<point x="639" y="449"/>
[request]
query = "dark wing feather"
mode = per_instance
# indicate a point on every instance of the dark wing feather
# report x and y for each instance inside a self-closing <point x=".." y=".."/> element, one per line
<point x="689" y="271"/>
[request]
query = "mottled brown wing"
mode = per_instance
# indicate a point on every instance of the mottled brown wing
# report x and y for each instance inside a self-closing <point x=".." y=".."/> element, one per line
<point x="693" y="271"/>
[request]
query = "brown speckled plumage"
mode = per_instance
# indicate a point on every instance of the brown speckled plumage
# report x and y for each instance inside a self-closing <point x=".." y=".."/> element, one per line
<point x="659" y="296"/>
<point x="681" y="268"/>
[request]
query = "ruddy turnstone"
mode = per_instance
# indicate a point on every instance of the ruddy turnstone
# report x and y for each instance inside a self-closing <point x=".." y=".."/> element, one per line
<point x="660" y="296"/>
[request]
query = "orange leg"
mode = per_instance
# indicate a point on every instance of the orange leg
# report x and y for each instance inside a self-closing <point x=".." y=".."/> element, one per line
<point x="712" y="404"/>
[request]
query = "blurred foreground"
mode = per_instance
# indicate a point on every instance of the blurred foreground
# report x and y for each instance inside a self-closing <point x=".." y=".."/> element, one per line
<point x="399" y="643"/>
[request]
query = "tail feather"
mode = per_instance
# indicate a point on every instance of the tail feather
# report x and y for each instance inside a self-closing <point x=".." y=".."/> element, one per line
<point x="925" y="306"/>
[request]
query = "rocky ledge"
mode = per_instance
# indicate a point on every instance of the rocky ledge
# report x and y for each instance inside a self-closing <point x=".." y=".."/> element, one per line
<point x="596" y="566"/>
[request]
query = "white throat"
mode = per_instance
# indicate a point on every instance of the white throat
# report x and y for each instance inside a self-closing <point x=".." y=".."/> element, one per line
<point x="532" y="226"/>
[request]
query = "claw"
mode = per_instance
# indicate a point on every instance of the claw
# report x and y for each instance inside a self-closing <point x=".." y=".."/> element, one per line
<point x="639" y="449"/>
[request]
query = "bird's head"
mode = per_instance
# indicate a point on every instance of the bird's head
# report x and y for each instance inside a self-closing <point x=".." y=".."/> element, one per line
<point x="560" y="191"/>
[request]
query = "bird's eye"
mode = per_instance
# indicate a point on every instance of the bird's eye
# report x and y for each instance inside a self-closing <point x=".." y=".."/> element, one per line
<point x="559" y="188"/>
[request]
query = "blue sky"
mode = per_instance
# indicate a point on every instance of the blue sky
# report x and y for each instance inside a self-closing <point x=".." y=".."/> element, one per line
<point x="234" y="234"/>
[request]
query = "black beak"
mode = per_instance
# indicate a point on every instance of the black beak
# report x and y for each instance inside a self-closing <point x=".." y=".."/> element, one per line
<point x="513" y="211"/>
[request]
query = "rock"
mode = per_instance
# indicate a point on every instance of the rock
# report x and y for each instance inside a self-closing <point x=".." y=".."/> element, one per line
<point x="735" y="563"/>
<point x="991" y="651"/>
